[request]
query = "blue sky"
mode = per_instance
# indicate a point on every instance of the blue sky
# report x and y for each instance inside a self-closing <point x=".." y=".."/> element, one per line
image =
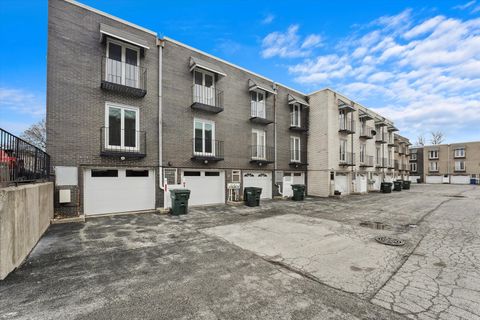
<point x="417" y="62"/>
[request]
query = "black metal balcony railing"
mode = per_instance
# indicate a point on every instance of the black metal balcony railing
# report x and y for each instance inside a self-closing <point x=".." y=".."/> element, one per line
<point x="401" y="150"/>
<point x="296" y="124"/>
<point x="298" y="158"/>
<point x="381" y="137"/>
<point x="207" y="150"/>
<point x="366" y="161"/>
<point x="20" y="161"/>
<point x="459" y="155"/>
<point x="346" y="126"/>
<point x="366" y="132"/>
<point x="381" y="162"/>
<point x="261" y="154"/>
<point x="258" y="113"/>
<point x="390" y="164"/>
<point x="347" y="159"/>
<point x="390" y="141"/>
<point x="124" y="78"/>
<point x="403" y="167"/>
<point x="122" y="143"/>
<point x="396" y="165"/>
<point x="207" y="99"/>
<point x="460" y="169"/>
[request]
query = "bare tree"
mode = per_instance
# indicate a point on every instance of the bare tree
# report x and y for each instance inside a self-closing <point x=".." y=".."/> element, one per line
<point x="437" y="137"/>
<point x="36" y="134"/>
<point x="420" y="140"/>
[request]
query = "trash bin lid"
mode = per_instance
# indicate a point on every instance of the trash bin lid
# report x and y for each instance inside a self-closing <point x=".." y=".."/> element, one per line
<point x="180" y="191"/>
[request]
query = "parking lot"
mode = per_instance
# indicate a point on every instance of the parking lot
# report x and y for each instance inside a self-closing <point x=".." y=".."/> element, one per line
<point x="316" y="259"/>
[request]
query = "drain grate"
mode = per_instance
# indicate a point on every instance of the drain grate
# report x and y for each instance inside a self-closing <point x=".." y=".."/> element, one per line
<point x="390" y="241"/>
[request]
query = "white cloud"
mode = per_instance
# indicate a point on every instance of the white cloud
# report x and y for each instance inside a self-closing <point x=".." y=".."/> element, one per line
<point x="424" y="74"/>
<point x="288" y="44"/>
<point x="21" y="101"/>
<point x="268" y="19"/>
<point x="465" y="6"/>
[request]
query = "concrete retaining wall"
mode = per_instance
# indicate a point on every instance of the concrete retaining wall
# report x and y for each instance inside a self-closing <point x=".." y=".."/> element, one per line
<point x="25" y="214"/>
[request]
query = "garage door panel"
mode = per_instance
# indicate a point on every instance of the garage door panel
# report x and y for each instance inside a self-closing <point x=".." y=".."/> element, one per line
<point x="460" y="180"/>
<point x="121" y="193"/>
<point x="206" y="187"/>
<point x="259" y="179"/>
<point x="433" y="179"/>
<point x="341" y="183"/>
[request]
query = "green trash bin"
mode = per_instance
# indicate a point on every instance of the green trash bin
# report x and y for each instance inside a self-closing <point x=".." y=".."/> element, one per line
<point x="386" y="187"/>
<point x="406" y="184"/>
<point x="251" y="196"/>
<point x="397" y="185"/>
<point x="179" y="201"/>
<point x="298" y="192"/>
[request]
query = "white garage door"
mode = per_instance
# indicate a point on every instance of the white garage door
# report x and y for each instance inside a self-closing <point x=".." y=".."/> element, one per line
<point x="118" y="190"/>
<point x="362" y="183"/>
<point x="206" y="187"/>
<point x="377" y="181"/>
<point x="341" y="183"/>
<point x="460" y="179"/>
<point x="414" y="179"/>
<point x="433" y="179"/>
<point x="259" y="179"/>
<point x="290" y="178"/>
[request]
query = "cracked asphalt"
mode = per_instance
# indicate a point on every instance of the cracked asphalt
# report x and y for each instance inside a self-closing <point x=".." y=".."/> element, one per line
<point x="283" y="260"/>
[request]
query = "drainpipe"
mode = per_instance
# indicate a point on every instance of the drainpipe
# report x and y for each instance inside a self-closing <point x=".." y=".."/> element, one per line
<point x="351" y="151"/>
<point x="275" y="164"/>
<point x="160" y="45"/>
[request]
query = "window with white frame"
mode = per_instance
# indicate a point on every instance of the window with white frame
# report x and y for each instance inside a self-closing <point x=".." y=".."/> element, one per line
<point x="258" y="104"/>
<point x="433" y="166"/>
<point x="294" y="149"/>
<point x="236" y="175"/>
<point x="460" y="153"/>
<point x="379" y="155"/>
<point x="460" y="165"/>
<point x="343" y="150"/>
<point x="363" y="147"/>
<point x="433" y="154"/>
<point x="204" y="87"/>
<point x="122" y="124"/>
<point x="344" y="120"/>
<point x="122" y="63"/>
<point x="413" y="167"/>
<point x="413" y="156"/>
<point x="295" y="115"/>
<point x="258" y="144"/>
<point x="203" y="137"/>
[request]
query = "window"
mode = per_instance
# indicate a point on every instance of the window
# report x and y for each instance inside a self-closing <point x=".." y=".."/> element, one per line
<point x="343" y="118"/>
<point x="362" y="152"/>
<point x="258" y="144"/>
<point x="433" y="154"/>
<point x="295" y="115"/>
<point x="459" y="153"/>
<point x="258" y="104"/>
<point x="212" y="174"/>
<point x="343" y="150"/>
<point x="191" y="173"/>
<point x="294" y="149"/>
<point x="203" y="137"/>
<point x="204" y="87"/>
<point x="98" y="173"/>
<point x="122" y="64"/>
<point x="122" y="125"/>
<point x="136" y="173"/>
<point x="235" y="175"/>
<point x="413" y="167"/>
<point x="378" y="156"/>
<point x="433" y="166"/>
<point x="459" y="165"/>
<point x="413" y="156"/>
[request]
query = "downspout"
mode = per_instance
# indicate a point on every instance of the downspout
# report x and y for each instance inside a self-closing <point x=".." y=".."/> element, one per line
<point x="351" y="151"/>
<point x="160" y="44"/>
<point x="275" y="165"/>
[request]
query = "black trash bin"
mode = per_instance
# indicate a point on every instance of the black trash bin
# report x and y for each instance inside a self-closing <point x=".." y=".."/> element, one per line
<point x="386" y="187"/>
<point x="251" y="196"/>
<point x="406" y="184"/>
<point x="298" y="192"/>
<point x="179" y="201"/>
<point x="397" y="185"/>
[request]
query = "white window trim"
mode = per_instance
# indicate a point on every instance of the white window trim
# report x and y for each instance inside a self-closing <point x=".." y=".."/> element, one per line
<point x="204" y="121"/>
<point x="413" y="156"/>
<point x="432" y="167"/>
<point x="461" y="167"/>
<point x="260" y="147"/>
<point x="413" y="167"/>
<point x="431" y="154"/>
<point x="258" y="109"/>
<point x="122" y="146"/>
<point x="460" y="152"/>
<point x="202" y="93"/>
<point x="295" y="119"/>
<point x="295" y="141"/>
<point x="124" y="45"/>
<point x="363" y="151"/>
<point x="343" y="151"/>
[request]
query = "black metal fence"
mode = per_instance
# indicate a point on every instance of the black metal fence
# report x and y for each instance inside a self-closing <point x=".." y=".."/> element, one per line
<point x="20" y="161"/>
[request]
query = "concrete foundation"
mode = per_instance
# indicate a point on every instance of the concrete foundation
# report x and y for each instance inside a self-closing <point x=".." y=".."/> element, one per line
<point x="25" y="214"/>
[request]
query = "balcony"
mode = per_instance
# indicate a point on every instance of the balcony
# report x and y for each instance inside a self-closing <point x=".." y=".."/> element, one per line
<point x="367" y="161"/>
<point x="390" y="164"/>
<point x="124" y="78"/>
<point x="258" y="113"/>
<point x="396" y="165"/>
<point x="347" y="159"/>
<point x="457" y="169"/>
<point x="207" y="150"/>
<point x="295" y="123"/>
<point x="122" y="143"/>
<point x="207" y="99"/>
<point x="381" y="163"/>
<point x="298" y="158"/>
<point x="401" y="150"/>
<point x="381" y="137"/>
<point x="366" y="132"/>
<point x="261" y="154"/>
<point x="403" y="167"/>
<point x="346" y="126"/>
<point x="391" y="142"/>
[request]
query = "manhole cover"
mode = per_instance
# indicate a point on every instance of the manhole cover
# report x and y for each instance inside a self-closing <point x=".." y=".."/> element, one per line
<point x="390" y="241"/>
<point x="374" y="225"/>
